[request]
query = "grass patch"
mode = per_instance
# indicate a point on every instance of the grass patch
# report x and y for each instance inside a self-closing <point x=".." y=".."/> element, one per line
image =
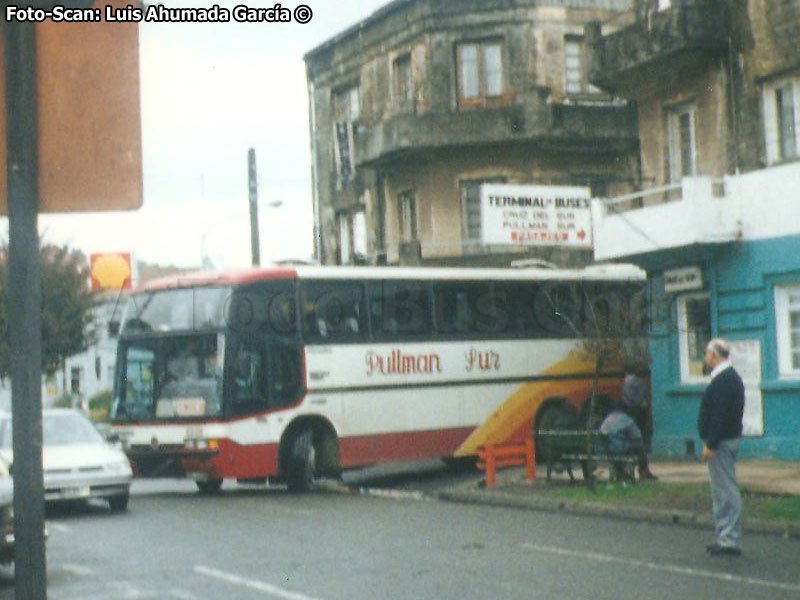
<point x="785" y="509"/>
<point x="674" y="496"/>
<point x="694" y="497"/>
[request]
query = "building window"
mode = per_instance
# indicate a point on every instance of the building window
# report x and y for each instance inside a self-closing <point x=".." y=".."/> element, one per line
<point x="403" y="83"/>
<point x="407" y="207"/>
<point x="575" y="68"/>
<point x="346" y="110"/>
<point x="352" y="229"/>
<point x="781" y="126"/>
<point x="471" y="208"/>
<point x="787" y="323"/>
<point x="75" y="377"/>
<point x="345" y="238"/>
<point x="347" y="104"/>
<point x="694" y="333"/>
<point x="480" y="71"/>
<point x="681" y="150"/>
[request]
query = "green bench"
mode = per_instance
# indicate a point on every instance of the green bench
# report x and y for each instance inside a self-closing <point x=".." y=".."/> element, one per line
<point x="567" y="447"/>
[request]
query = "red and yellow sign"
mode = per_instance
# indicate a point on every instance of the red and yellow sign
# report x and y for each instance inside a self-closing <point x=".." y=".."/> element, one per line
<point x="111" y="271"/>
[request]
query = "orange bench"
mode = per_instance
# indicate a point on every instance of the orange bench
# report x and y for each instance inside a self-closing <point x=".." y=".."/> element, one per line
<point x="494" y="456"/>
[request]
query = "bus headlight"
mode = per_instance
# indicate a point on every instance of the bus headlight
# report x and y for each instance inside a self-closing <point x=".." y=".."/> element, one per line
<point x="197" y="444"/>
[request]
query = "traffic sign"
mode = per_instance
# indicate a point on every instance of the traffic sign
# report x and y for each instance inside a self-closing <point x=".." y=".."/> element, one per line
<point x="89" y="125"/>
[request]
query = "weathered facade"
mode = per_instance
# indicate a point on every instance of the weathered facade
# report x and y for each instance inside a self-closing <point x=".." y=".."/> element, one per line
<point x="717" y="222"/>
<point x="415" y="107"/>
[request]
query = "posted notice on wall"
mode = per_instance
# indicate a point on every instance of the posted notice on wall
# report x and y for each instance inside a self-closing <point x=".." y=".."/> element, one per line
<point x="746" y="359"/>
<point x="536" y="215"/>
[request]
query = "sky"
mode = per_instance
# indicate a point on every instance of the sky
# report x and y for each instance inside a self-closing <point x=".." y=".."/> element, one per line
<point x="209" y="92"/>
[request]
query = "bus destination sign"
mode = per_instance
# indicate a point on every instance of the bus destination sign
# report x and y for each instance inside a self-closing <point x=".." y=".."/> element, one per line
<point x="536" y="215"/>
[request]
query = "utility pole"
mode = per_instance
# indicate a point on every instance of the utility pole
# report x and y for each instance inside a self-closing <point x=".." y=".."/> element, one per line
<point x="255" y="246"/>
<point x="24" y="302"/>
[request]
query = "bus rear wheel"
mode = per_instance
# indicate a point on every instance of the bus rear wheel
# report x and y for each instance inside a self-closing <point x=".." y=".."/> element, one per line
<point x="302" y="462"/>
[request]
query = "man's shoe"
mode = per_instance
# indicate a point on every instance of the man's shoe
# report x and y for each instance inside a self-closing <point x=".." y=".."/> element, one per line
<point x="717" y="550"/>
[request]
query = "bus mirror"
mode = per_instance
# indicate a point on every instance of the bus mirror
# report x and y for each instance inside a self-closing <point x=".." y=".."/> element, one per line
<point x="113" y="328"/>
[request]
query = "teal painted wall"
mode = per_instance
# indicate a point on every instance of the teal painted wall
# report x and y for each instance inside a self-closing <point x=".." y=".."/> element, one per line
<point x="740" y="279"/>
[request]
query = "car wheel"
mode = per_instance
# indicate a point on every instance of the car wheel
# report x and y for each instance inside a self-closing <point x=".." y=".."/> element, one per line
<point x="209" y="486"/>
<point x="302" y="462"/>
<point x="119" y="503"/>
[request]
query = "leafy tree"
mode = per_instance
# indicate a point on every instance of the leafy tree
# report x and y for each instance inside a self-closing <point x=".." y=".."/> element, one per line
<point x="66" y="304"/>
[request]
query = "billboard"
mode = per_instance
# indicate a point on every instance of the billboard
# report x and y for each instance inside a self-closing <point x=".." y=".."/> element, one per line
<point x="536" y="215"/>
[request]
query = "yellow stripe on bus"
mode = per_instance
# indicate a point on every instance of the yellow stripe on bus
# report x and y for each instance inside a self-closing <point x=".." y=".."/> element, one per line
<point x="523" y="403"/>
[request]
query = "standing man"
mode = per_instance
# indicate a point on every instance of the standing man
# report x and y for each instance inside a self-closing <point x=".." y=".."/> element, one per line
<point x="720" y="426"/>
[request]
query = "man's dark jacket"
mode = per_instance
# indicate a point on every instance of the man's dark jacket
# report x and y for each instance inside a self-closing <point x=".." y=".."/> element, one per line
<point x="721" y="409"/>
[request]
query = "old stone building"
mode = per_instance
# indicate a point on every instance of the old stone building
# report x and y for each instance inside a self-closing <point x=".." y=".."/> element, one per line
<point x="700" y="72"/>
<point x="416" y="106"/>
<point x="716" y="223"/>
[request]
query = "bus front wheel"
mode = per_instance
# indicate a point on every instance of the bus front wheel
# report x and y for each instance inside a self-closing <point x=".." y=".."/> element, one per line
<point x="302" y="462"/>
<point x="209" y="486"/>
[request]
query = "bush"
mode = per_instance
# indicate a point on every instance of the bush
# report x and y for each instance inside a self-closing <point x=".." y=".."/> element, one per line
<point x="63" y="401"/>
<point x="99" y="405"/>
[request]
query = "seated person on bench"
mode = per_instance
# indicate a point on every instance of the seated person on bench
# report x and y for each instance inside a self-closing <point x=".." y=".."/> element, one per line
<point x="624" y="436"/>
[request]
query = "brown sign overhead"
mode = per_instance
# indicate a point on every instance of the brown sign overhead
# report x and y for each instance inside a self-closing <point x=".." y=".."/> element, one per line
<point x="90" y="148"/>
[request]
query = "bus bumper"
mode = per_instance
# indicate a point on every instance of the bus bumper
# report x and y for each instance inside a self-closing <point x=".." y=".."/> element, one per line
<point x="172" y="461"/>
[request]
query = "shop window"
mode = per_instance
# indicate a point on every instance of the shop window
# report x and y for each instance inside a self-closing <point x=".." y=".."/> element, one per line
<point x="787" y="323"/>
<point x="694" y="333"/>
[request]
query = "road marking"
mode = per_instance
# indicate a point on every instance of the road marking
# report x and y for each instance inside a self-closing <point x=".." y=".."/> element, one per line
<point x="667" y="568"/>
<point x="77" y="570"/>
<point x="253" y="584"/>
<point x="181" y="594"/>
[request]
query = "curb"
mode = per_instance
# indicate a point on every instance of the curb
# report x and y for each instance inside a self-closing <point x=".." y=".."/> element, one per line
<point x="628" y="513"/>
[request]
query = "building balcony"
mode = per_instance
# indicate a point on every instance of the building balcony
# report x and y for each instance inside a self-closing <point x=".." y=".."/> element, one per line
<point x="661" y="226"/>
<point x="659" y="45"/>
<point x="535" y="119"/>
<point x="649" y="225"/>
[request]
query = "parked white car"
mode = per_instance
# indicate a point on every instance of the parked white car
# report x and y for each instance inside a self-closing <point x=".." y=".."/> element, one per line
<point x="77" y="462"/>
<point x="6" y="515"/>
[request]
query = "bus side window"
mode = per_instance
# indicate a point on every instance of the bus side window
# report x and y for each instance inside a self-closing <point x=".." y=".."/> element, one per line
<point x="400" y="309"/>
<point x="247" y="381"/>
<point x="465" y="307"/>
<point x="283" y="384"/>
<point x="333" y="311"/>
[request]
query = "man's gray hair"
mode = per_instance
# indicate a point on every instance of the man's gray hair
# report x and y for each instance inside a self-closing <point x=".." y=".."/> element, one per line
<point x="719" y="347"/>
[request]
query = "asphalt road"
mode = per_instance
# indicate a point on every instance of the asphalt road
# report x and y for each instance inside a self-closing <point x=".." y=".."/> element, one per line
<point x="256" y="543"/>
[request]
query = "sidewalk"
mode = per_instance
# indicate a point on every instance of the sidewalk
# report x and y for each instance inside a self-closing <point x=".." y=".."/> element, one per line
<point x="766" y="476"/>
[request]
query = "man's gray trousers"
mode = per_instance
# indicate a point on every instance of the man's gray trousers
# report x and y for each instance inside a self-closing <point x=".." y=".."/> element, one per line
<point x="726" y="501"/>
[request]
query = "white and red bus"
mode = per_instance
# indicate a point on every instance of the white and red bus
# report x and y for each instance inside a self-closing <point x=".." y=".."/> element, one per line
<point x="295" y="373"/>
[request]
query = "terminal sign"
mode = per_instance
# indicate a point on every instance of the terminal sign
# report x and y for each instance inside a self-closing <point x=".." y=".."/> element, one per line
<point x="536" y="215"/>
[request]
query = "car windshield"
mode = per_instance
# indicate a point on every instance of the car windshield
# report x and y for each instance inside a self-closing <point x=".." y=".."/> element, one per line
<point x="169" y="377"/>
<point x="58" y="429"/>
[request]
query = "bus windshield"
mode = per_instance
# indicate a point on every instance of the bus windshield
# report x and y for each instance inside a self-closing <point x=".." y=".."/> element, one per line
<point x="175" y="377"/>
<point x="176" y="309"/>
